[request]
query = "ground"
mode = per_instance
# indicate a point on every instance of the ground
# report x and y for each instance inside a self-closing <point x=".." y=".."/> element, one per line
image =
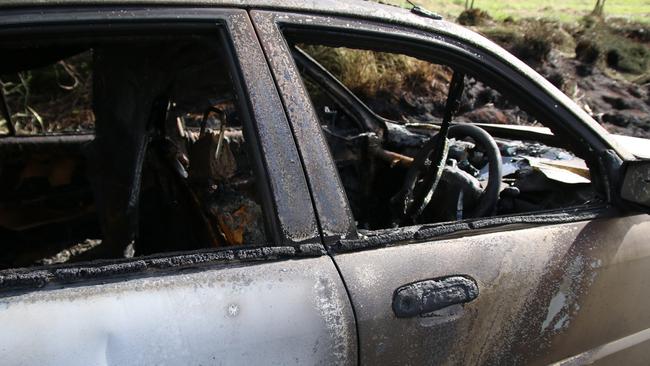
<point x="566" y="11"/>
<point x="602" y="63"/>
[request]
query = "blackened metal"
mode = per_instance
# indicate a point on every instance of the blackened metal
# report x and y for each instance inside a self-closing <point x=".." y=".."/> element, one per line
<point x="512" y="132"/>
<point x="375" y="240"/>
<point x="10" y="146"/>
<point x="6" y="113"/>
<point x="488" y="203"/>
<point x="292" y="209"/>
<point x="22" y="280"/>
<point x="409" y="234"/>
<point x="418" y="10"/>
<point x="427" y="296"/>
<point x="424" y="174"/>
<point x="610" y="164"/>
<point x="441" y="230"/>
<point x="329" y="199"/>
<point x="206" y="114"/>
<point x="127" y="102"/>
<point x="352" y="105"/>
<point x="280" y="180"/>
<point x="456" y="87"/>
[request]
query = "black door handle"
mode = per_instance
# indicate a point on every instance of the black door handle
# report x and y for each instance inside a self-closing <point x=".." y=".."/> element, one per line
<point x="430" y="295"/>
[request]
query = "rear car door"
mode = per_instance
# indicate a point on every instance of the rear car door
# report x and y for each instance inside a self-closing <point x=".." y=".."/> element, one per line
<point x="565" y="286"/>
<point x="280" y="301"/>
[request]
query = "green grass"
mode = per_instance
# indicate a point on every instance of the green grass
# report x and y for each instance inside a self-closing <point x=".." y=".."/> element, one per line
<point x="566" y="10"/>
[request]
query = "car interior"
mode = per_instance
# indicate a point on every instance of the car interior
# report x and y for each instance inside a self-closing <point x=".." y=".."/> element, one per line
<point x="121" y="146"/>
<point x="128" y="145"/>
<point x="499" y="159"/>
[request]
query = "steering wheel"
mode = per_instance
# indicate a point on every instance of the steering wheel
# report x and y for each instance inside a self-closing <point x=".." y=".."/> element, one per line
<point x="420" y="184"/>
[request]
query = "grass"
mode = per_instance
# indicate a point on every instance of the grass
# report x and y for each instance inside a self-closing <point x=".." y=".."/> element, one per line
<point x="378" y="76"/>
<point x="368" y="71"/>
<point x="565" y="11"/>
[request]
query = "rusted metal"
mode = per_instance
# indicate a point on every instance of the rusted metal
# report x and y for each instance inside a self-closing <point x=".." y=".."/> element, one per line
<point x="393" y="158"/>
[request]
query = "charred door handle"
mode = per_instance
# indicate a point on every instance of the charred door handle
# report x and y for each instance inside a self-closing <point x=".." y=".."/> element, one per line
<point x="430" y="295"/>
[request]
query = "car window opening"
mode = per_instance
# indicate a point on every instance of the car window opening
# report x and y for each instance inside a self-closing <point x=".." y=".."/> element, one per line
<point x="120" y="147"/>
<point x="498" y="160"/>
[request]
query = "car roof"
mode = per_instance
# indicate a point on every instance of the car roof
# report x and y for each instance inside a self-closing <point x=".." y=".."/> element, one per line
<point x="354" y="8"/>
<point x="359" y="9"/>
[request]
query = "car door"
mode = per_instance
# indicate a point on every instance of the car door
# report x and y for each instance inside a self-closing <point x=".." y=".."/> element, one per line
<point x="280" y="303"/>
<point x="564" y="287"/>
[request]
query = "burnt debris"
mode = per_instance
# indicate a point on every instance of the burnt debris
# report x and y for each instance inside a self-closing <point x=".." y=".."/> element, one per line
<point x="160" y="164"/>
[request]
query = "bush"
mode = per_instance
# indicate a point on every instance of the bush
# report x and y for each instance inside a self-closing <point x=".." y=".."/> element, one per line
<point x="531" y="41"/>
<point x="473" y="17"/>
<point x="587" y="51"/>
<point x="626" y="57"/>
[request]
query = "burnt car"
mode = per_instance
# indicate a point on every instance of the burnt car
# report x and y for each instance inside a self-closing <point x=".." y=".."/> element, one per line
<point x="187" y="182"/>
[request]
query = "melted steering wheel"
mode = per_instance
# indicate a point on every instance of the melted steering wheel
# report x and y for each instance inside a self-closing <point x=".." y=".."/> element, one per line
<point x="424" y="174"/>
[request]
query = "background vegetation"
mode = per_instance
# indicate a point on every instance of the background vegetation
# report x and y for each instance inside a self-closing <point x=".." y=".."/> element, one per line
<point x="597" y="55"/>
<point x="565" y="10"/>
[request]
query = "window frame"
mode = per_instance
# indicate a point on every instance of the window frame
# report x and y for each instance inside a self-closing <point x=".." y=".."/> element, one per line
<point x="289" y="218"/>
<point x="584" y="137"/>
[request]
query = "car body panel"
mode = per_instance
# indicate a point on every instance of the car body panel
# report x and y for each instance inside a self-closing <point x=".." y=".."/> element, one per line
<point x="290" y="312"/>
<point x="639" y="147"/>
<point x="546" y="293"/>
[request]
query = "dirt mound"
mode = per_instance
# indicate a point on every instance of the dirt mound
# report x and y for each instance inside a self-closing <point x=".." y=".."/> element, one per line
<point x="621" y="106"/>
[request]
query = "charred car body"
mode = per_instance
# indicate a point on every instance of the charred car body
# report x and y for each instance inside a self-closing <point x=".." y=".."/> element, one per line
<point x="217" y="195"/>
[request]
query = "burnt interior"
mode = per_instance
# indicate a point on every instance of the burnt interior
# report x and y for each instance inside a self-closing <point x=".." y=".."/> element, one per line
<point x="121" y="145"/>
<point x="374" y="154"/>
<point x="138" y="147"/>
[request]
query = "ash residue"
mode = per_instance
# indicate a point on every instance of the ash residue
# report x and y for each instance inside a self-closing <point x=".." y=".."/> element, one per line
<point x="66" y="254"/>
<point x="386" y="238"/>
<point x="27" y="279"/>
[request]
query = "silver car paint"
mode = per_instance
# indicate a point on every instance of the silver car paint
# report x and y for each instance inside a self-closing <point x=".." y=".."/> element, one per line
<point x="292" y="312"/>
<point x="546" y="293"/>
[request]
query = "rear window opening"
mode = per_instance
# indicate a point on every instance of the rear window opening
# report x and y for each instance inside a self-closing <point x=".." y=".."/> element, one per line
<point x="48" y="99"/>
<point x="124" y="146"/>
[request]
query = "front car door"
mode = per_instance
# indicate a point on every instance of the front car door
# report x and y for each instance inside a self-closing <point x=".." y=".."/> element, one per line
<point x="278" y="302"/>
<point x="564" y="286"/>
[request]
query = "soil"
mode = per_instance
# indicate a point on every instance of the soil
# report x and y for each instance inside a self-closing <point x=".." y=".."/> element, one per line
<point x="603" y="65"/>
<point x="622" y="107"/>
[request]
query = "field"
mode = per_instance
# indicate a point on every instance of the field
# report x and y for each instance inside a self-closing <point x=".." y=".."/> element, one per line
<point x="566" y="10"/>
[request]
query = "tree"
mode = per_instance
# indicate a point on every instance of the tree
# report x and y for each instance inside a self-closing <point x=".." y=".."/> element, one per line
<point x="598" y="9"/>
